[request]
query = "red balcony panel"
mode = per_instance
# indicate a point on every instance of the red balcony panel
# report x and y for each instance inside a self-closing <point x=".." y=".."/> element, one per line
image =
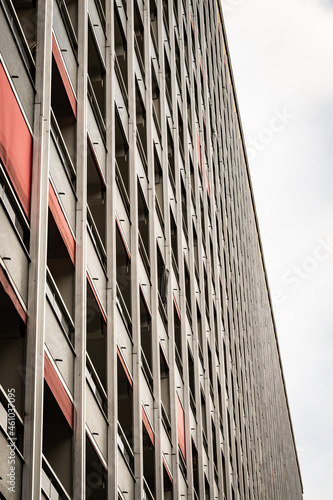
<point x="63" y="74"/>
<point x="12" y="295"/>
<point x="181" y="427"/>
<point x="123" y="364"/>
<point x="61" y="223"/>
<point x="58" y="390"/>
<point x="15" y="143"/>
<point x="98" y="302"/>
<point x="148" y="427"/>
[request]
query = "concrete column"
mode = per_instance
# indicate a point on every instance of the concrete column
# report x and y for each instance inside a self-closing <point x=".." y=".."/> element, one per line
<point x="79" y="436"/>
<point x="34" y="376"/>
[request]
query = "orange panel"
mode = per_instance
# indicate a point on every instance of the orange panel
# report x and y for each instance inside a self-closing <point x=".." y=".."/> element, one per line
<point x="10" y="292"/>
<point x="181" y="427"/>
<point x="167" y="469"/>
<point x="15" y="143"/>
<point x="148" y="427"/>
<point x="63" y="73"/>
<point x="61" y="223"/>
<point x="58" y="390"/>
<point x="121" y="359"/>
<point x="96" y="298"/>
<point x="123" y="238"/>
<point x="176" y="307"/>
<point x="199" y="152"/>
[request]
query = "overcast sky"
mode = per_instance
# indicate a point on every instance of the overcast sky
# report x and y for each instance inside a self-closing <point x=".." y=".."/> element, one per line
<point x="282" y="59"/>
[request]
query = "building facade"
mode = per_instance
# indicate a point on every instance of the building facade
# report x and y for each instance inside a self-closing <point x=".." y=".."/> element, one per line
<point x="138" y="350"/>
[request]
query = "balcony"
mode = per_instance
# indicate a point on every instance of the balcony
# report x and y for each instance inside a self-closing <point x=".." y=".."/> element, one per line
<point x="14" y="255"/>
<point x="18" y="52"/>
<point x="66" y="39"/>
<point x="139" y="68"/>
<point x="98" y="113"/>
<point x="124" y="313"/>
<point x="96" y="385"/>
<point x="147" y="494"/>
<point x="121" y="95"/>
<point x="96" y="132"/>
<point x="59" y="308"/>
<point x="147" y="371"/>
<point x="62" y="151"/>
<point x="97" y="19"/>
<point x="96" y="239"/>
<point x="51" y="485"/>
<point x="123" y="206"/>
<point x="125" y="448"/>
<point x="96" y="263"/>
<point x="63" y="185"/>
<point x="59" y="346"/>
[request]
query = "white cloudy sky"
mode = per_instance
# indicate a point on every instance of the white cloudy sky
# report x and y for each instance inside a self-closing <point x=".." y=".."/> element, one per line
<point x="282" y="58"/>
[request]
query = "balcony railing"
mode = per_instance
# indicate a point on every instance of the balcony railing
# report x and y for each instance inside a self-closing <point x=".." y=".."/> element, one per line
<point x="172" y="180"/>
<point x="165" y="421"/>
<point x="19" y="37"/>
<point x="147" y="494"/>
<point x="124" y="311"/>
<point x="101" y="13"/>
<point x="139" y="57"/>
<point x="62" y="149"/>
<point x="192" y="403"/>
<point x="125" y="448"/>
<point x="147" y="371"/>
<point x="68" y="25"/>
<point x="142" y="152"/>
<point x="179" y="360"/>
<point x="123" y="190"/>
<point x="144" y="255"/>
<point x="175" y="265"/>
<point x="51" y="485"/>
<point x="96" y="385"/>
<point x="96" y="239"/>
<point x="157" y="121"/>
<point x="96" y="110"/>
<point x="122" y="85"/>
<point x="59" y="307"/>
<point x="159" y="212"/>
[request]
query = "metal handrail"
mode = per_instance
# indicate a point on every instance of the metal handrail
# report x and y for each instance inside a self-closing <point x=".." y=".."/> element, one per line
<point x="125" y="448"/>
<point x="96" y="110"/>
<point x="159" y="212"/>
<point x="59" y="307"/>
<point x="62" y="148"/>
<point x="172" y="179"/>
<point x="166" y="421"/>
<point x="142" y="152"/>
<point x="144" y="255"/>
<point x="95" y="384"/>
<point x="122" y="189"/>
<point x="124" y="311"/>
<point x="54" y="480"/>
<point x="119" y="75"/>
<point x="68" y="26"/>
<point x="147" y="371"/>
<point x="147" y="494"/>
<point x="94" y="234"/>
<point x="138" y="54"/>
<point x="101" y="13"/>
<point x="19" y="36"/>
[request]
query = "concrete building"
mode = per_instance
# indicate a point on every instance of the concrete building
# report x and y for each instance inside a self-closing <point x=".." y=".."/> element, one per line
<point x="137" y="338"/>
